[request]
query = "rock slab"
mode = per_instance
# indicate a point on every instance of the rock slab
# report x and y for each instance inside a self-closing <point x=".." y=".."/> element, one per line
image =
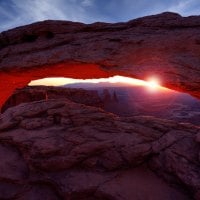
<point x="59" y="149"/>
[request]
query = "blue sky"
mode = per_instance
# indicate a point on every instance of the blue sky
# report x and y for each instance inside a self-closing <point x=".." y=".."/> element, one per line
<point x="20" y="12"/>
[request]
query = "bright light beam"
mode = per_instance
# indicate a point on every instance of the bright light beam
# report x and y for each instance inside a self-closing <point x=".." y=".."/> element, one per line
<point x="152" y="83"/>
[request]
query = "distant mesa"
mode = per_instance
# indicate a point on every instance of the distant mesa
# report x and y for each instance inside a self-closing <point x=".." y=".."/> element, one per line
<point x="37" y="93"/>
<point x="118" y="99"/>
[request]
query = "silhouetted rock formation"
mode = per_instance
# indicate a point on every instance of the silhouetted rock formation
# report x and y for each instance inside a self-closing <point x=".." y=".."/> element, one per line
<point x="164" y="46"/>
<point x="106" y="96"/>
<point x="58" y="149"/>
<point x="165" y="104"/>
<point x="36" y="93"/>
<point x="115" y="98"/>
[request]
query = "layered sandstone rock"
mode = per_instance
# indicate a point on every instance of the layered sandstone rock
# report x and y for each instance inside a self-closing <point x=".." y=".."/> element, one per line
<point x="166" y="46"/>
<point x="58" y="149"/>
<point x="36" y="93"/>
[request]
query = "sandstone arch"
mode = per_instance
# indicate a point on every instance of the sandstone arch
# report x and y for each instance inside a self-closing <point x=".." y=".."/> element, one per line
<point x="165" y="45"/>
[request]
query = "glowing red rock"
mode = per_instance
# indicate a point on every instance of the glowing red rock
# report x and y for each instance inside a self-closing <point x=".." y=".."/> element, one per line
<point x="164" y="45"/>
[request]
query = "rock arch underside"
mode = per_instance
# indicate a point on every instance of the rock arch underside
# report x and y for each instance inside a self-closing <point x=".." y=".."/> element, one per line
<point x="165" y="45"/>
<point x="61" y="149"/>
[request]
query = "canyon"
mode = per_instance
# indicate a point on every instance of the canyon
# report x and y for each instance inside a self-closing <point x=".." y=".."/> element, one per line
<point x="37" y="93"/>
<point x="122" y="100"/>
<point x="60" y="144"/>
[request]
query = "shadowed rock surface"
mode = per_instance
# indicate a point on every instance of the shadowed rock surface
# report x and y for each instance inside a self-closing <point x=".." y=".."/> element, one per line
<point x="122" y="101"/>
<point x="58" y="149"/>
<point x="62" y="150"/>
<point x="36" y="93"/>
<point x="166" y="46"/>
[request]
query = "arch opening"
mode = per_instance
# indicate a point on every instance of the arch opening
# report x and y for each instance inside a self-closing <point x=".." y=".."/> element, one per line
<point x="20" y="77"/>
<point x="152" y="84"/>
<point x="120" y="95"/>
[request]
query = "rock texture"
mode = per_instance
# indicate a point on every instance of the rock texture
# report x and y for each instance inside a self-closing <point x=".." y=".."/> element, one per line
<point x="166" y="46"/>
<point x="58" y="149"/>
<point x="36" y="93"/>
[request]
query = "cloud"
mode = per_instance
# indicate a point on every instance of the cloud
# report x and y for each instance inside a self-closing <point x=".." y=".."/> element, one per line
<point x="20" y="12"/>
<point x="186" y="7"/>
<point x="87" y="2"/>
<point x="28" y="11"/>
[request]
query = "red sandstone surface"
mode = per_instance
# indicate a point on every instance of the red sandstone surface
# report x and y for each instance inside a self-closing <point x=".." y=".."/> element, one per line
<point x="37" y="93"/>
<point x="58" y="149"/>
<point x="164" y="45"/>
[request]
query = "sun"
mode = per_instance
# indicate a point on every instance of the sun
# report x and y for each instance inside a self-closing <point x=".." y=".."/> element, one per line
<point x="153" y="84"/>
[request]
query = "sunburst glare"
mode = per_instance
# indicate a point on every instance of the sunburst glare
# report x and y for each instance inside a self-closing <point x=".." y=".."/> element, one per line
<point x="152" y="84"/>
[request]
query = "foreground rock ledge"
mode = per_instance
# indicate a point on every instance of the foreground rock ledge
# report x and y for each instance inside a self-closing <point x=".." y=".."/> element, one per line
<point x="166" y="46"/>
<point x="58" y="149"/>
